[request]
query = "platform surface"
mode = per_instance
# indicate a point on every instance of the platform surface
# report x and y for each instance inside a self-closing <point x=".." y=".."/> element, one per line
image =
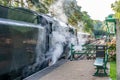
<point x="74" y="70"/>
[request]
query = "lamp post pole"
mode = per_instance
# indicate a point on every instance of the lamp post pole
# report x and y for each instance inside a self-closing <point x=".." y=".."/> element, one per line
<point x="118" y="49"/>
<point x="108" y="32"/>
<point x="117" y="32"/>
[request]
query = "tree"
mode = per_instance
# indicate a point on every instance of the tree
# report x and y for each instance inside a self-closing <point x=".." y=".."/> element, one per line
<point x="73" y="12"/>
<point x="76" y="16"/>
<point x="5" y="2"/>
<point x="116" y="7"/>
<point x="88" y="22"/>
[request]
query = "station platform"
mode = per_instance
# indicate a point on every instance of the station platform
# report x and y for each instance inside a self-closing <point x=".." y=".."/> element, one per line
<point x="70" y="70"/>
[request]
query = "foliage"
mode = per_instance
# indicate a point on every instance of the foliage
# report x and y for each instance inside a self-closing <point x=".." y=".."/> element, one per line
<point x="39" y="6"/>
<point x="4" y="2"/>
<point x="97" y="25"/>
<point x="71" y="10"/>
<point x="99" y="28"/>
<point x="30" y="4"/>
<point x="116" y="7"/>
<point x="88" y="22"/>
<point x="113" y="70"/>
<point x="75" y="15"/>
<point x="34" y="1"/>
<point x="48" y="2"/>
<point x="112" y="50"/>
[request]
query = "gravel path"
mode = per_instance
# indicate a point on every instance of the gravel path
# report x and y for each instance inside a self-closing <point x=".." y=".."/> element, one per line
<point x="74" y="70"/>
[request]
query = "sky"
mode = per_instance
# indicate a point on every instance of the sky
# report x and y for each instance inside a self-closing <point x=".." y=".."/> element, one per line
<point x="97" y="9"/>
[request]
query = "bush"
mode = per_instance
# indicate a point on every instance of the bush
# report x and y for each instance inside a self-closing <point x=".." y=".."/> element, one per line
<point x="112" y="50"/>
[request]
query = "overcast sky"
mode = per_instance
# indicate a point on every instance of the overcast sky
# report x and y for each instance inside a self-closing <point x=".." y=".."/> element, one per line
<point x="97" y="9"/>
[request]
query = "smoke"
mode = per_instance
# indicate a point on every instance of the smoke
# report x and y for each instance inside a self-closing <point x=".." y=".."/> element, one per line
<point x="57" y="10"/>
<point x="59" y="39"/>
<point x="57" y="42"/>
<point x="82" y="38"/>
<point x="58" y="50"/>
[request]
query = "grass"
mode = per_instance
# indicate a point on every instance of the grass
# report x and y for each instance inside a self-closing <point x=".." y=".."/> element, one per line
<point x="113" y="70"/>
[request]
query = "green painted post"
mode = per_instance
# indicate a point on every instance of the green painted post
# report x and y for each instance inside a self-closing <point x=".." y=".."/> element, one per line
<point x="117" y="33"/>
<point x="72" y="51"/>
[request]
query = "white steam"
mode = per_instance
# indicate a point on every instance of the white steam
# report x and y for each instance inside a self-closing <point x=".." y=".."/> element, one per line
<point x="57" y="10"/>
<point x="60" y="37"/>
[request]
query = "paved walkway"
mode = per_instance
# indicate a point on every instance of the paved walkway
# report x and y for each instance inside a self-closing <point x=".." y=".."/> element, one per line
<point x="74" y="70"/>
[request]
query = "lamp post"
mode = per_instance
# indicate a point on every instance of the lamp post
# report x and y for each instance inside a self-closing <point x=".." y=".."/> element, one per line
<point x="118" y="48"/>
<point x="111" y="26"/>
<point x="116" y="32"/>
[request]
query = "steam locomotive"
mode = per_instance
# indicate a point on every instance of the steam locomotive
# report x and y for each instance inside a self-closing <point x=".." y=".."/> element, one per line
<point x="30" y="41"/>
